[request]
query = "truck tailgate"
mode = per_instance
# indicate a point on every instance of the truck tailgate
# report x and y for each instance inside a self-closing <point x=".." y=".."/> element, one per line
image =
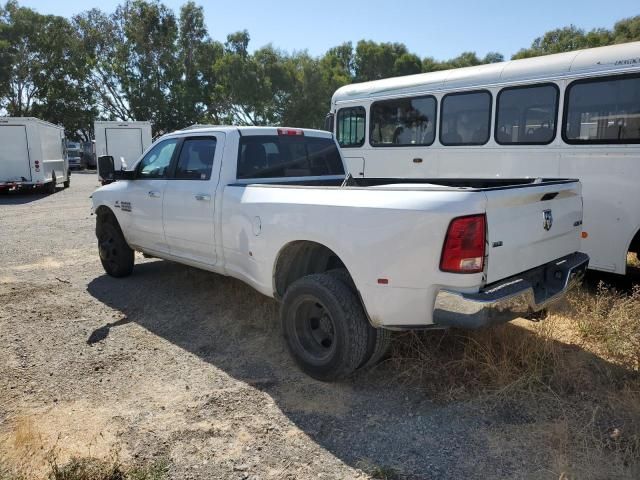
<point x="531" y="225"/>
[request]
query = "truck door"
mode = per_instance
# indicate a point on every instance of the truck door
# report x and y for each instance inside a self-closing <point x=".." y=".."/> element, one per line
<point x="189" y="199"/>
<point x="142" y="199"/>
<point x="124" y="143"/>
<point x="14" y="154"/>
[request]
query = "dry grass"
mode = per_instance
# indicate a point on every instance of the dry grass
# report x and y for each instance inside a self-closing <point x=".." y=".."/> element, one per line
<point x="633" y="261"/>
<point x="609" y="323"/>
<point x="94" y="469"/>
<point x="91" y="469"/>
<point x="30" y="459"/>
<point x="576" y="374"/>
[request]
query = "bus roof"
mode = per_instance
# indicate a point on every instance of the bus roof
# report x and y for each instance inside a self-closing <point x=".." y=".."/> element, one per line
<point x="614" y="58"/>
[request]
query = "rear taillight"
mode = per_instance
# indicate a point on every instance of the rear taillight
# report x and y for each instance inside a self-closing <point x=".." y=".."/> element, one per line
<point x="463" y="250"/>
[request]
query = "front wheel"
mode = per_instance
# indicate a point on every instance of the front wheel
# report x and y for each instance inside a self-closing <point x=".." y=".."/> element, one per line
<point x="115" y="254"/>
<point x="325" y="327"/>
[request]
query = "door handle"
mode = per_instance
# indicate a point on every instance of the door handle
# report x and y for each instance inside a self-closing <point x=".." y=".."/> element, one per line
<point x="202" y="196"/>
<point x="154" y="194"/>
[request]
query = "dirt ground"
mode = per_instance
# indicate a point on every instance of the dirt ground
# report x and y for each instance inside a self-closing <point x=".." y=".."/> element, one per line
<point x="186" y="367"/>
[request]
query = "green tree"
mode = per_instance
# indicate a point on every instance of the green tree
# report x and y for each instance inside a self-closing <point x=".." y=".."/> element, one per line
<point x="44" y="67"/>
<point x="338" y="64"/>
<point x="101" y="41"/>
<point x="5" y="57"/>
<point x="627" y="30"/>
<point x="374" y="61"/>
<point x="407" y="64"/>
<point x="565" y="40"/>
<point x="311" y="90"/>
<point x="197" y="55"/>
<point x="493" y="57"/>
<point x="148" y="57"/>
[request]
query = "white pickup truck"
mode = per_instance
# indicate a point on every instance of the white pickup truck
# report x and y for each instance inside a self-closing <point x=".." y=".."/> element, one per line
<point x="348" y="259"/>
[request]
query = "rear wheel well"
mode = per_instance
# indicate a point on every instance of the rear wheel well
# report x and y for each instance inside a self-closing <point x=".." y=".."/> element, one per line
<point x="301" y="258"/>
<point x="635" y="244"/>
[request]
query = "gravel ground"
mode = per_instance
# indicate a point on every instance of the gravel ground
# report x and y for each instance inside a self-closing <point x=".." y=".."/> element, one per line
<point x="188" y="367"/>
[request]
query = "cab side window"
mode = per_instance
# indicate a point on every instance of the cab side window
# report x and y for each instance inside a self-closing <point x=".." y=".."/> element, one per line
<point x="196" y="159"/>
<point x="155" y="164"/>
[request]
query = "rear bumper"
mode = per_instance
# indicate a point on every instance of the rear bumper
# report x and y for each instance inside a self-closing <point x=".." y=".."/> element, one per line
<point x="511" y="298"/>
<point x="17" y="185"/>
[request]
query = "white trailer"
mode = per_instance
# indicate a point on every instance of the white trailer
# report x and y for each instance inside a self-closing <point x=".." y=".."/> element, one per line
<point x="122" y="140"/>
<point x="32" y="154"/>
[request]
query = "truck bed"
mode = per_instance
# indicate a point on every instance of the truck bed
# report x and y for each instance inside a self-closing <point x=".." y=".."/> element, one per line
<point x="468" y="184"/>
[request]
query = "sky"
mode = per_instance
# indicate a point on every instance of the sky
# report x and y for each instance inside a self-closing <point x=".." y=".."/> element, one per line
<point x="439" y="29"/>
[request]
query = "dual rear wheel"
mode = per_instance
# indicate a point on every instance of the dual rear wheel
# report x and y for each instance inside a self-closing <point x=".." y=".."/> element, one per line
<point x="326" y="329"/>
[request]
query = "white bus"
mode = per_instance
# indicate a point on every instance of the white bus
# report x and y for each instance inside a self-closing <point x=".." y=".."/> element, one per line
<point x="573" y="114"/>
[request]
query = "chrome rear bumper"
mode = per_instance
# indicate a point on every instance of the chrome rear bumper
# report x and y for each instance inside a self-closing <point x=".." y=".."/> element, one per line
<point x="511" y="298"/>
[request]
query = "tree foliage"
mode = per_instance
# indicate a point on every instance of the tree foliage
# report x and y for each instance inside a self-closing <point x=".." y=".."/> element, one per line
<point x="146" y="62"/>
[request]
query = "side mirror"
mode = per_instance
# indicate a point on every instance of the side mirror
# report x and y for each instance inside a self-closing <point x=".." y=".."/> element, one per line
<point x="106" y="170"/>
<point x="328" y="122"/>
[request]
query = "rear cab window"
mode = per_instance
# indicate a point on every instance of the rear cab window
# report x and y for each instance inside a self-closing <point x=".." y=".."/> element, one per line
<point x="287" y="156"/>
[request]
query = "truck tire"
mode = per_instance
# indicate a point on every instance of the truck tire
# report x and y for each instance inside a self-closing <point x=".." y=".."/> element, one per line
<point x="115" y="254"/>
<point x="51" y="186"/>
<point x="325" y="327"/>
<point x="378" y="339"/>
<point x="67" y="182"/>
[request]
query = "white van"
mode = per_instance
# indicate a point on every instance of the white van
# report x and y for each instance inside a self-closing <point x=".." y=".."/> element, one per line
<point x="569" y="115"/>
<point x="124" y="141"/>
<point x="32" y="154"/>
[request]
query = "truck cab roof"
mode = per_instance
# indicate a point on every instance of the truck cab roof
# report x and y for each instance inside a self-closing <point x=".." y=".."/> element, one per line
<point x="251" y="131"/>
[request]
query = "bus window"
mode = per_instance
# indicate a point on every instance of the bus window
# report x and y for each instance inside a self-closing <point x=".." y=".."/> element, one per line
<point x="350" y="127"/>
<point x="527" y="115"/>
<point x="403" y="121"/>
<point x="465" y="118"/>
<point x="603" y="110"/>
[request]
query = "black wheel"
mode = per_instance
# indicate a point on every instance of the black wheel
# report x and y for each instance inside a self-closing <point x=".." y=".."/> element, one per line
<point x="51" y="186"/>
<point x="378" y="344"/>
<point x="67" y="182"/>
<point x="115" y="254"/>
<point x="378" y="339"/>
<point x="324" y="326"/>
